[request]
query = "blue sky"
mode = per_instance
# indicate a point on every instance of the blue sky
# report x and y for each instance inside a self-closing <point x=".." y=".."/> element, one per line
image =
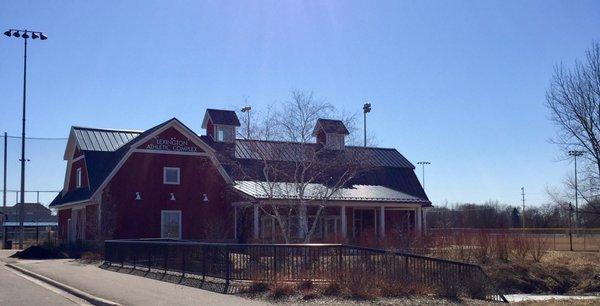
<point x="458" y="83"/>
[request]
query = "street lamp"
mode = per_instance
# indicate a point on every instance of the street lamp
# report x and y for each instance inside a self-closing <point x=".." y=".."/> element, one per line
<point x="423" y="163"/>
<point x="25" y="35"/>
<point x="247" y="109"/>
<point x="576" y="153"/>
<point x="366" y="109"/>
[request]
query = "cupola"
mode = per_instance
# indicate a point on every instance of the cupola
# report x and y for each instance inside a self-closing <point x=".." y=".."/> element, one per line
<point x="331" y="133"/>
<point x="220" y="124"/>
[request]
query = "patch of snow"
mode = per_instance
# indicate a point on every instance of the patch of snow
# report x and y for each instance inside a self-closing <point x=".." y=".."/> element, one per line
<point x="545" y="297"/>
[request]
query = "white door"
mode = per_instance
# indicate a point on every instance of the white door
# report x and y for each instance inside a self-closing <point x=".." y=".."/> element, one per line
<point x="170" y="226"/>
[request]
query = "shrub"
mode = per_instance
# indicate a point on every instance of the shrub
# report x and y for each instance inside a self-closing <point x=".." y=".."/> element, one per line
<point x="361" y="285"/>
<point x="257" y="287"/>
<point x="305" y="285"/>
<point x="540" y="247"/>
<point x="449" y="290"/>
<point x="311" y="296"/>
<point x="333" y="289"/>
<point x="280" y="290"/>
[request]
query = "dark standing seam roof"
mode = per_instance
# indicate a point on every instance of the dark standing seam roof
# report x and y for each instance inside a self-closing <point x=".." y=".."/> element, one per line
<point x="106" y="140"/>
<point x="99" y="161"/>
<point x="225" y="117"/>
<point x="288" y="151"/>
<point x="332" y="126"/>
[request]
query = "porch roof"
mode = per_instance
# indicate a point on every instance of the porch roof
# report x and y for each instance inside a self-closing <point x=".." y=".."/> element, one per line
<point x="313" y="191"/>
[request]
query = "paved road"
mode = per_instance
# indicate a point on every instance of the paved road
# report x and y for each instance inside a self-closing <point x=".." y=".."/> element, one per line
<point x="129" y="289"/>
<point x="18" y="290"/>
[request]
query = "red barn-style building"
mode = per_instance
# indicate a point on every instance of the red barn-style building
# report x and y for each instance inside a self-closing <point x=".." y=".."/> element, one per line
<point x="170" y="182"/>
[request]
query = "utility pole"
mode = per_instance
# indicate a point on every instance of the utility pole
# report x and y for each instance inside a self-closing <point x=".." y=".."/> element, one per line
<point x="25" y="35"/>
<point x="523" y="199"/>
<point x="247" y="109"/>
<point x="366" y="109"/>
<point x="576" y="153"/>
<point x="423" y="163"/>
<point x="4" y="192"/>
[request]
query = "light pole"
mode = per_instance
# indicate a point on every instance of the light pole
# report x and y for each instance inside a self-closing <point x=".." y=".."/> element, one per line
<point x="366" y="109"/>
<point x="247" y="110"/>
<point x="576" y="153"/>
<point x="423" y="163"/>
<point x="25" y="35"/>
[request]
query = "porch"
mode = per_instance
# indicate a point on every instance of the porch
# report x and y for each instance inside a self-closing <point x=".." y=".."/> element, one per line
<point x="338" y="222"/>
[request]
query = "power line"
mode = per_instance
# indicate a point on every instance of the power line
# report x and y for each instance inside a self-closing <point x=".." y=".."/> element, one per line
<point x="37" y="138"/>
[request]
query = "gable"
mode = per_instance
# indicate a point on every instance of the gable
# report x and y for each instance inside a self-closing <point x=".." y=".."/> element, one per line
<point x="171" y="140"/>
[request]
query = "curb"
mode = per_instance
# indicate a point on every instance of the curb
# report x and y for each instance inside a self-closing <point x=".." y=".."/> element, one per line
<point x="94" y="300"/>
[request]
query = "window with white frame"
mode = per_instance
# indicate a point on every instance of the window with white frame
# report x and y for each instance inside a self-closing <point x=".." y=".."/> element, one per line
<point x="171" y="176"/>
<point x="78" y="178"/>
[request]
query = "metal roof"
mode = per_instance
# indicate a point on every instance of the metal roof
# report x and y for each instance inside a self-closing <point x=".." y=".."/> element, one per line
<point x="221" y="116"/>
<point x="106" y="140"/>
<point x="312" y="191"/>
<point x="291" y="151"/>
<point x="331" y="126"/>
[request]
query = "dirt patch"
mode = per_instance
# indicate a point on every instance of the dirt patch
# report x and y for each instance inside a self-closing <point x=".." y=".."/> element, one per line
<point x="39" y="252"/>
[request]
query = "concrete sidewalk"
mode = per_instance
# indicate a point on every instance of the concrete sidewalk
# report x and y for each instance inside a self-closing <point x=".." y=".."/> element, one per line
<point x="127" y="289"/>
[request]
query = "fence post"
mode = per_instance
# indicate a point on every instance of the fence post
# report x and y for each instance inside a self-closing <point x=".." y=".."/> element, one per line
<point x="274" y="264"/>
<point x="227" y="269"/>
<point x="340" y="264"/>
<point x="166" y="258"/>
<point x="203" y="248"/>
<point x="182" y="265"/>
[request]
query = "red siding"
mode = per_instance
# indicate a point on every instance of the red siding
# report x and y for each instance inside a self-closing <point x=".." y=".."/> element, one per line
<point x="321" y="137"/>
<point x="91" y="221"/>
<point x="210" y="129"/>
<point x="84" y="177"/>
<point x="63" y="222"/>
<point x="143" y="172"/>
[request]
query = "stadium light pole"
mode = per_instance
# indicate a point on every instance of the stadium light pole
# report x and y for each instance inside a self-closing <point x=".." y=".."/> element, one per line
<point x="366" y="109"/>
<point x="423" y="163"/>
<point x="247" y="109"/>
<point x="576" y="153"/>
<point x="25" y="34"/>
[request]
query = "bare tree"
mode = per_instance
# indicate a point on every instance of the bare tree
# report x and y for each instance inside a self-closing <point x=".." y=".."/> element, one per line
<point x="294" y="173"/>
<point x="574" y="103"/>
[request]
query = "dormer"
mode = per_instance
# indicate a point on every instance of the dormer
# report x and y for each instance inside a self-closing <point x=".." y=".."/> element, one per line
<point x="331" y="133"/>
<point x="220" y="124"/>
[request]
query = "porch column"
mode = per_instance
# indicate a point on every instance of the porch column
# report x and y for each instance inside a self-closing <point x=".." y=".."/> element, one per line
<point x="255" y="227"/>
<point x="418" y="219"/>
<point x="343" y="221"/>
<point x="424" y="213"/>
<point x="235" y="223"/>
<point x="382" y="221"/>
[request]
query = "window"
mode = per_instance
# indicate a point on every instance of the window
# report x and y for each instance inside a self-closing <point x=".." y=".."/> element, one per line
<point x="78" y="178"/>
<point x="170" y="224"/>
<point x="224" y="133"/>
<point x="220" y="134"/>
<point x="171" y="176"/>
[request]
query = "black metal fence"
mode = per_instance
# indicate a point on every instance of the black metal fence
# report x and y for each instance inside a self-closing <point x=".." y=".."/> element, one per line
<point x="294" y="263"/>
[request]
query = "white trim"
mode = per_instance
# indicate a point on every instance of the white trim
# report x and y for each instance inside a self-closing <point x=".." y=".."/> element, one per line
<point x="165" y="169"/>
<point x="162" y="212"/>
<point x="78" y="177"/>
<point x="382" y="221"/>
<point x="78" y="158"/>
<point x="343" y="221"/>
<point x="72" y="205"/>
<point x="169" y="152"/>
